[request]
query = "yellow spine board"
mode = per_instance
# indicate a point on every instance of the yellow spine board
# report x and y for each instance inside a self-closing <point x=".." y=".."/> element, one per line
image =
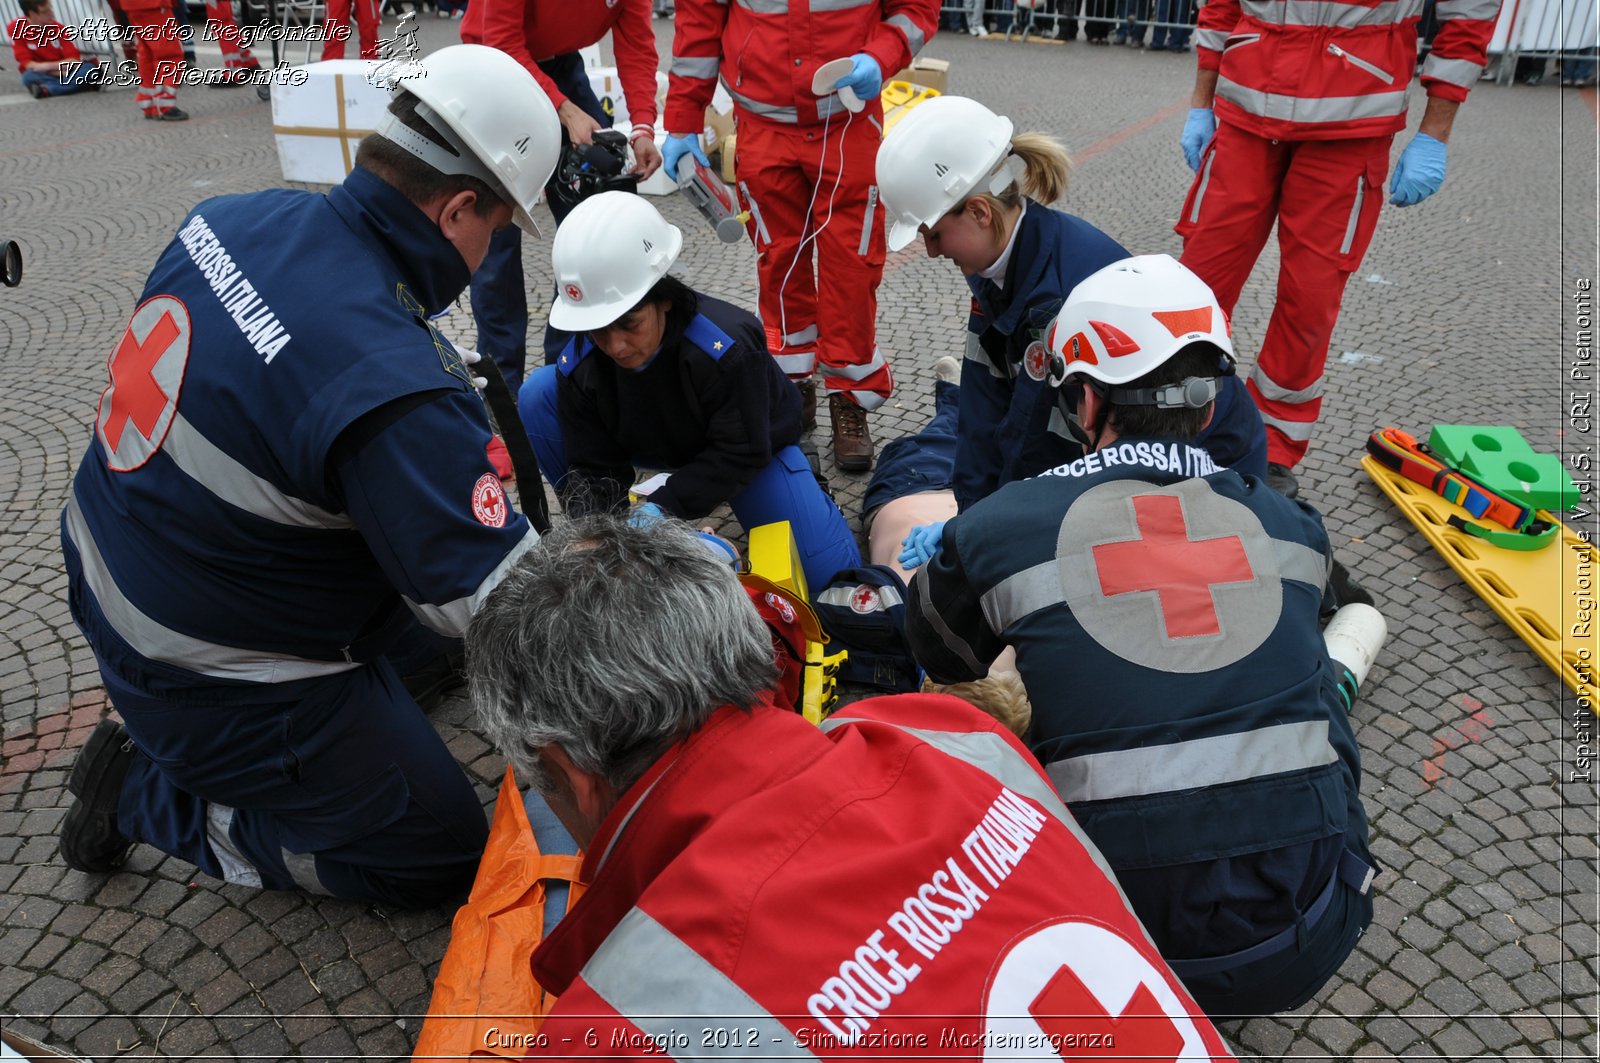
<point x="1546" y="596"/>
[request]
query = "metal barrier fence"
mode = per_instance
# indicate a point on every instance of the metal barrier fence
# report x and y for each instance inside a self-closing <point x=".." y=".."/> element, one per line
<point x="73" y="13"/>
<point x="1129" y="19"/>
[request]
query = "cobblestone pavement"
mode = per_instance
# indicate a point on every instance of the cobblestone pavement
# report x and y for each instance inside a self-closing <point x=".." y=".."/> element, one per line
<point x="1484" y="945"/>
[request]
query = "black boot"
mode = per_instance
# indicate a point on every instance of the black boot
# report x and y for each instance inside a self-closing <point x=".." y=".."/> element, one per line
<point x="90" y="840"/>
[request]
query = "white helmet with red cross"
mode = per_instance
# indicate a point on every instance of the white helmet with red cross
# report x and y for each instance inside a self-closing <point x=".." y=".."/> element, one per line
<point x="1127" y="319"/>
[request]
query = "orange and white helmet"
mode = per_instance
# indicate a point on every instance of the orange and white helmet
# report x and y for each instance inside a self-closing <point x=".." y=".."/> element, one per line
<point x="1125" y="320"/>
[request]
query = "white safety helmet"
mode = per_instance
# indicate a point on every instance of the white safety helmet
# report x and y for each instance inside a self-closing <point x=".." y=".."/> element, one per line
<point x="607" y="256"/>
<point x="501" y="125"/>
<point x="946" y="149"/>
<point x="1126" y="319"/>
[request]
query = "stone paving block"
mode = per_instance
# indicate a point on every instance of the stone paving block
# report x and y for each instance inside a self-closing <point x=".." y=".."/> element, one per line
<point x="138" y="993"/>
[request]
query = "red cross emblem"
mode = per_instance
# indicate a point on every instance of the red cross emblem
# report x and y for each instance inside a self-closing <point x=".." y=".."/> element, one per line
<point x="489" y="503"/>
<point x="146" y="370"/>
<point x="1065" y="1009"/>
<point x="1036" y="360"/>
<point x="1180" y="570"/>
<point x="574" y="293"/>
<point x="864" y="599"/>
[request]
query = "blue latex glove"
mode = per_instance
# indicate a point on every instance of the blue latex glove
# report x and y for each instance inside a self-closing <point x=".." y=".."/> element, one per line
<point x="864" y="79"/>
<point x="920" y="544"/>
<point x="1419" y="173"/>
<point x="677" y="146"/>
<point x="1198" y="129"/>
<point x="646" y="514"/>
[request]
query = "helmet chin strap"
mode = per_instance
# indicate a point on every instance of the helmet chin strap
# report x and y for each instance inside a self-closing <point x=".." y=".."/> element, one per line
<point x="1069" y="397"/>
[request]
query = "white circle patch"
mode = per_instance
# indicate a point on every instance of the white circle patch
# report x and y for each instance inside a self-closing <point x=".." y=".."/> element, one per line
<point x="138" y="406"/>
<point x="489" y="503"/>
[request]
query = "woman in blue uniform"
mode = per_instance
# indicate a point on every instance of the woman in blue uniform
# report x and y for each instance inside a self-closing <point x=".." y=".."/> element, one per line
<point x="953" y="171"/>
<point x="661" y="377"/>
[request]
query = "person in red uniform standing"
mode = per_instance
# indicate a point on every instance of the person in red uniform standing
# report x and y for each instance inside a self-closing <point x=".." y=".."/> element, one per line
<point x="806" y="176"/>
<point x="1295" y="107"/>
<point x="900" y="882"/>
<point x="160" y="55"/>
<point x="336" y="27"/>
<point x="545" y="37"/>
<point x="51" y="65"/>
<point x="237" y="60"/>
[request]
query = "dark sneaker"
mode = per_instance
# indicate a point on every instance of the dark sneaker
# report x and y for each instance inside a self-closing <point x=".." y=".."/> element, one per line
<point x="171" y="114"/>
<point x="90" y="840"/>
<point x="852" y="442"/>
<point x="808" y="403"/>
<point x="38" y="92"/>
<point x="1281" y="480"/>
<point x="435" y="680"/>
<point x="1342" y="590"/>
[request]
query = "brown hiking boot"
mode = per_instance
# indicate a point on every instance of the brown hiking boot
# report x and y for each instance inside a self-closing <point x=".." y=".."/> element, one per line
<point x="852" y="442"/>
<point x="808" y="403"/>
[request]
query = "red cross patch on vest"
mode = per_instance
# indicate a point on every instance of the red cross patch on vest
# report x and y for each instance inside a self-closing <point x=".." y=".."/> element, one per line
<point x="146" y="368"/>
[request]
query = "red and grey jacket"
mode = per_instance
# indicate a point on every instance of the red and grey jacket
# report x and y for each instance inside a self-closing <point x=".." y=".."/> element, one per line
<point x="1292" y="70"/>
<point x="767" y="51"/>
<point x="902" y="881"/>
<point x="531" y="31"/>
<point x="34" y="43"/>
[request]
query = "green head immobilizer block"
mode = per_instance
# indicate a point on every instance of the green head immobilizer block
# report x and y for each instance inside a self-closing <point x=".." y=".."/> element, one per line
<point x="1502" y="461"/>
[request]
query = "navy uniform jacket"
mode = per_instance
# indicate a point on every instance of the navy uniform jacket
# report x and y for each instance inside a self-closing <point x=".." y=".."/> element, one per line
<point x="286" y="450"/>
<point x="1164" y="614"/>
<point x="1010" y="428"/>
<point x="712" y="406"/>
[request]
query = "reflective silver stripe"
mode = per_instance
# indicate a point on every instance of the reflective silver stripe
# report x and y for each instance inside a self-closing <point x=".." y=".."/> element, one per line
<point x="1058" y="423"/>
<point x="952" y="642"/>
<point x="1301" y="563"/>
<point x="1039" y="586"/>
<point x="1205" y="180"/>
<point x="831" y="106"/>
<point x="1020" y="594"/>
<point x="160" y="643"/>
<point x="1272" y="391"/>
<point x="1330" y="15"/>
<point x="219" y="834"/>
<point x="694" y="66"/>
<point x="1467" y="9"/>
<point x="303" y="869"/>
<point x="914" y="35"/>
<point x="659" y="983"/>
<point x="1301" y="109"/>
<point x="772" y="111"/>
<point x="976" y="353"/>
<point x="1210" y="39"/>
<point x="1350" y="233"/>
<point x="765" y="7"/>
<point x="1463" y="72"/>
<point x="991" y="754"/>
<point x="842" y="596"/>
<point x="855" y="372"/>
<point x="451" y="618"/>
<point x="203" y="462"/>
<point x="805" y="335"/>
<point x="1362" y="64"/>
<point x="796" y="364"/>
<point x="839" y="5"/>
<point x="1299" y="431"/>
<point x="867" y="400"/>
<point x="867" y="219"/>
<point x="755" y="212"/>
<point x="1192" y="765"/>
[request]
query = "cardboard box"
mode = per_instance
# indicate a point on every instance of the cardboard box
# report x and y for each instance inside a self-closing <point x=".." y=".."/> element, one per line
<point x="318" y="124"/>
<point x="730" y="148"/>
<point x="608" y="87"/>
<point x="929" y="73"/>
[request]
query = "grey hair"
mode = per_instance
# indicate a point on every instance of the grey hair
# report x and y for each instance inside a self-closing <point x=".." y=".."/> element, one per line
<point x="614" y="641"/>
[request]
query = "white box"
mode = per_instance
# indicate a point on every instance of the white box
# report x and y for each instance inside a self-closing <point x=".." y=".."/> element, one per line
<point x="608" y="87"/>
<point x="319" y="124"/>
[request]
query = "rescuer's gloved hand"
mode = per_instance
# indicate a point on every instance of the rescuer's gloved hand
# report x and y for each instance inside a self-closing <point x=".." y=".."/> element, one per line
<point x="1198" y="129"/>
<point x="646" y="514"/>
<point x="677" y="146"/>
<point x="1419" y="172"/>
<point x="470" y="358"/>
<point x="865" y="78"/>
<point x="920" y="544"/>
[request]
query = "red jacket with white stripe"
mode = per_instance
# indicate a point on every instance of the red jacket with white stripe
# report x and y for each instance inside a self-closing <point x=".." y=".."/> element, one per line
<point x="901" y="882"/>
<point x="1302" y="70"/>
<point x="767" y="52"/>
<point x="533" y="30"/>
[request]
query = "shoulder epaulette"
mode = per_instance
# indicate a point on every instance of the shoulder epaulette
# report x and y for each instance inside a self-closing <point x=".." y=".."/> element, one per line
<point x="708" y="336"/>
<point x="576" y="350"/>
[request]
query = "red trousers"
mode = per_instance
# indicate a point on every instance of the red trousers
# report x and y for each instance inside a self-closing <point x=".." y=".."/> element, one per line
<point x="235" y="56"/>
<point x="337" y="27"/>
<point x="1325" y="196"/>
<point x="812" y="195"/>
<point x="160" y="56"/>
